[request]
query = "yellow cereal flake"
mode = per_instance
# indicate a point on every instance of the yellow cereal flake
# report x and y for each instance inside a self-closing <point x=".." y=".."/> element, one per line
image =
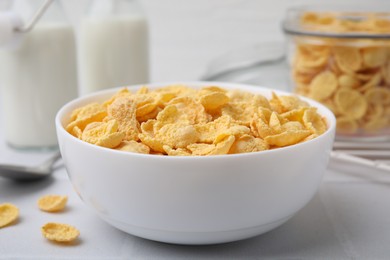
<point x="378" y="96"/>
<point x="303" y="78"/>
<point x="81" y="117"/>
<point x="8" y="214"/>
<point x="208" y="132"/>
<point x="348" y="58"/>
<point x="374" y="57"/>
<point x="287" y="138"/>
<point x="176" y="152"/>
<point x="154" y="144"/>
<point x="348" y="81"/>
<point x="123" y="110"/>
<point x="248" y="144"/>
<point x="145" y="106"/>
<point x="235" y="130"/>
<point x="346" y="125"/>
<point x="124" y="92"/>
<point x="171" y="114"/>
<point x="323" y="85"/>
<point x="375" y="112"/>
<point x="152" y="115"/>
<point x="52" y="203"/>
<point x="201" y="148"/>
<point x="310" y="58"/>
<point x="351" y="103"/>
<point x="180" y="121"/>
<point x="371" y="83"/>
<point x="103" y="134"/>
<point x="294" y="114"/>
<point x="289" y="103"/>
<point x="365" y="75"/>
<point x="59" y="232"/>
<point x="376" y="123"/>
<point x="214" y="100"/>
<point x="260" y="127"/>
<point x="275" y="122"/>
<point x="220" y="148"/>
<point x="193" y="109"/>
<point x="177" y="135"/>
<point x="148" y="136"/>
<point x="292" y="126"/>
<point x="314" y="122"/>
<point x="133" y="146"/>
<point x="385" y="71"/>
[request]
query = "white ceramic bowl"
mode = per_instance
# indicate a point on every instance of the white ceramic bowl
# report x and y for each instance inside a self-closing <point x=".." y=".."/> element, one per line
<point x="194" y="200"/>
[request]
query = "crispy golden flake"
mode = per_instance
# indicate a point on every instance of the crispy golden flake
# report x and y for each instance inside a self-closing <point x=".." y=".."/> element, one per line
<point x="323" y="85"/>
<point x="133" y="146"/>
<point x="59" y="232"/>
<point x="123" y="110"/>
<point x="351" y="103"/>
<point x="52" y="203"/>
<point x="104" y="134"/>
<point x="8" y="214"/>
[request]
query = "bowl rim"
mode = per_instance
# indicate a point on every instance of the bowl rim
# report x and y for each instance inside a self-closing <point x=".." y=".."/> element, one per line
<point x="330" y="118"/>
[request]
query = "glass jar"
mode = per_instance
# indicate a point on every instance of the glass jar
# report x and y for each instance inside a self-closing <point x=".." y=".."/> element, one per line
<point x="37" y="77"/>
<point x="342" y="59"/>
<point x="113" y="45"/>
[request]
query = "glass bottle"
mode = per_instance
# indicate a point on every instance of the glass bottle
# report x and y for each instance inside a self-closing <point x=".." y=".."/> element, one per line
<point x="37" y="77"/>
<point x="113" y="45"/>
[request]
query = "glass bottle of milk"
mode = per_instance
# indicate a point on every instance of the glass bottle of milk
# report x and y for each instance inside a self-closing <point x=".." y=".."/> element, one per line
<point x="113" y="45"/>
<point x="37" y="77"/>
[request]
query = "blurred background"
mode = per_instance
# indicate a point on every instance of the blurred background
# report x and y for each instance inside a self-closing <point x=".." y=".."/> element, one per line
<point x="187" y="35"/>
<point x="184" y="41"/>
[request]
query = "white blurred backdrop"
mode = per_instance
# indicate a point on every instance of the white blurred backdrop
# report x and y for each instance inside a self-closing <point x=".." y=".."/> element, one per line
<point x="187" y="34"/>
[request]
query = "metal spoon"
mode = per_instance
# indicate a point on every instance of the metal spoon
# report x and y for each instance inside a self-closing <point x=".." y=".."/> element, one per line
<point x="29" y="173"/>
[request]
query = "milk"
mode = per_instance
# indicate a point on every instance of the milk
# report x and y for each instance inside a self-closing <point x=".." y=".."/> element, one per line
<point x="113" y="51"/>
<point x="36" y="79"/>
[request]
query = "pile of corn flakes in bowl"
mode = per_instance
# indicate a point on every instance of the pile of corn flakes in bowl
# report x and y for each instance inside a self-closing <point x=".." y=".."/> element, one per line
<point x="196" y="162"/>
<point x="342" y="59"/>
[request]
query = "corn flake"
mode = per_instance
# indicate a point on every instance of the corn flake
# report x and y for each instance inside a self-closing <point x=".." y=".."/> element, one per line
<point x="123" y="110"/>
<point x="59" y="232"/>
<point x="176" y="152"/>
<point x="378" y="96"/>
<point x="133" y="146"/>
<point x="374" y="57"/>
<point x="8" y="214"/>
<point x="314" y="122"/>
<point x="103" y="134"/>
<point x="220" y="148"/>
<point x="52" y="203"/>
<point x="248" y="144"/>
<point x="287" y="138"/>
<point x="346" y="125"/>
<point x="81" y="117"/>
<point x="351" y="103"/>
<point x="348" y="81"/>
<point x="348" y="58"/>
<point x="214" y="100"/>
<point x="323" y="85"/>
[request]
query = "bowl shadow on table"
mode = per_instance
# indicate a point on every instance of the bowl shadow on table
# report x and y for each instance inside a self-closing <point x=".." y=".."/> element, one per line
<point x="309" y="233"/>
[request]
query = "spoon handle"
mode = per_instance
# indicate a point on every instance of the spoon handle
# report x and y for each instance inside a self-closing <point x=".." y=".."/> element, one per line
<point x="48" y="164"/>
